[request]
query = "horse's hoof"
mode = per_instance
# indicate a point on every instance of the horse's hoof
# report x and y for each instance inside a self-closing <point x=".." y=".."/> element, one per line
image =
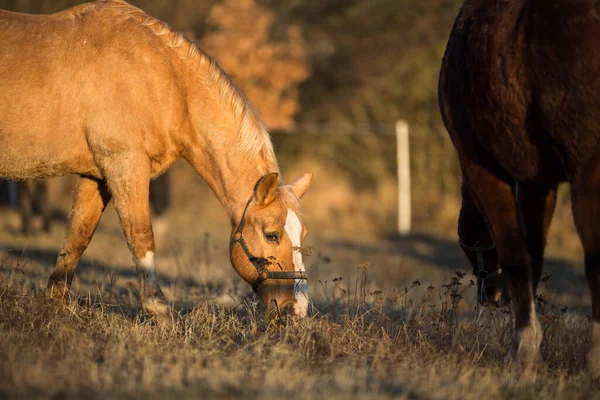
<point x="524" y="361"/>
<point x="57" y="290"/>
<point x="162" y="313"/>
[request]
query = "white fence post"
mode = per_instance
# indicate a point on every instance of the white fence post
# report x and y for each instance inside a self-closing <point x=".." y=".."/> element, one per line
<point x="403" y="157"/>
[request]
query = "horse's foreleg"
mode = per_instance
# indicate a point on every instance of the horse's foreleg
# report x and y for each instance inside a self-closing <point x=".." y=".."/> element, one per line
<point x="130" y="194"/>
<point x="586" y="203"/>
<point x="91" y="198"/>
<point x="495" y="199"/>
<point x="536" y="203"/>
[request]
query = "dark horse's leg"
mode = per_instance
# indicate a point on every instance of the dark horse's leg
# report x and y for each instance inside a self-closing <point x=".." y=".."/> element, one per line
<point x="478" y="245"/>
<point x="536" y="207"/>
<point x="585" y="195"/>
<point x="44" y="204"/>
<point x="26" y="206"/>
<point x="536" y="203"/>
<point x="493" y="192"/>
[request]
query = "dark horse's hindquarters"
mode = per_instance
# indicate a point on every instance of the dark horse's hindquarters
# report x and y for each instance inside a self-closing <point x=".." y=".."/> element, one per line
<point x="519" y="93"/>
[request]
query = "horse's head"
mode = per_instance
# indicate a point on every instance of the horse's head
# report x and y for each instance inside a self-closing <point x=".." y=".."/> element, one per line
<point x="265" y="246"/>
<point x="478" y="246"/>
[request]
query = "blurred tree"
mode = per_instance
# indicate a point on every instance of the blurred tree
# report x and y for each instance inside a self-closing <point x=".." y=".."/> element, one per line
<point x="188" y="16"/>
<point x="268" y="71"/>
<point x="373" y="60"/>
<point x="36" y="6"/>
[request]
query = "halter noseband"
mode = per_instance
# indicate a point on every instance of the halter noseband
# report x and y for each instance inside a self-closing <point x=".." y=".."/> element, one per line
<point x="478" y="250"/>
<point x="260" y="263"/>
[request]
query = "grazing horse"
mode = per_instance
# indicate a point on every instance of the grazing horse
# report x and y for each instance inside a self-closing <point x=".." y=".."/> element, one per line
<point x="104" y="91"/>
<point x="519" y="93"/>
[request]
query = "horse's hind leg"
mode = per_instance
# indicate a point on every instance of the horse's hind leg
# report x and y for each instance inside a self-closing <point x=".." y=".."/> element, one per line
<point x="586" y="203"/>
<point x="536" y="203"/>
<point x="130" y="192"/>
<point x="495" y="198"/>
<point x="91" y="198"/>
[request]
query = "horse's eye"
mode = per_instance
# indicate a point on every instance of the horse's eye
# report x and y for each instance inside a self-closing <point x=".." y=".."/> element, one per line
<point x="272" y="237"/>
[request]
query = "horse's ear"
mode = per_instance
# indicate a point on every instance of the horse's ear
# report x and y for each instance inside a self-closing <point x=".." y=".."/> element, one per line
<point x="300" y="185"/>
<point x="266" y="189"/>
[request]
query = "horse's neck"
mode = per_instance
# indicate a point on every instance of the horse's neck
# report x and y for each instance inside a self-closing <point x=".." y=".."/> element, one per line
<point x="218" y="113"/>
<point x="231" y="176"/>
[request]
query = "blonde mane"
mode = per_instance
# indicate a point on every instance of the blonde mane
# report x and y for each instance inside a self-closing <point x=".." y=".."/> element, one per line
<point x="253" y="136"/>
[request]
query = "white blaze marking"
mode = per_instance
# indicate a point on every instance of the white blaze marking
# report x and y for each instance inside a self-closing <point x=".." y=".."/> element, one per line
<point x="293" y="228"/>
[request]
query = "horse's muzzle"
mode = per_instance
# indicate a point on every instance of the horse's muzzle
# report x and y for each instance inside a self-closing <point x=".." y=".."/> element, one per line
<point x="281" y="312"/>
<point x="288" y="308"/>
<point x="494" y="298"/>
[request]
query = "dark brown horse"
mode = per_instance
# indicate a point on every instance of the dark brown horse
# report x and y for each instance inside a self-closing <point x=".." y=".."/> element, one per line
<point x="519" y="94"/>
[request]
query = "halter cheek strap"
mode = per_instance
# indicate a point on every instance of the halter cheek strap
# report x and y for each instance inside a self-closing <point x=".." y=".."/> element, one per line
<point x="481" y="273"/>
<point x="260" y="263"/>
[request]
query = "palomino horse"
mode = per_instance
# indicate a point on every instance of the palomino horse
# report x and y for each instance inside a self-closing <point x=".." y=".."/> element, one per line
<point x="107" y="92"/>
<point x="519" y="93"/>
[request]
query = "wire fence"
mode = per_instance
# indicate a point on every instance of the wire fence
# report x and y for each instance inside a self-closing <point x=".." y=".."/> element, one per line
<point x="361" y="129"/>
<point x="367" y="153"/>
<point x="363" y="155"/>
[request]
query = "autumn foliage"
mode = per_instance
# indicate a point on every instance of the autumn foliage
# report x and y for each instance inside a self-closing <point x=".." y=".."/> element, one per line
<point x="268" y="71"/>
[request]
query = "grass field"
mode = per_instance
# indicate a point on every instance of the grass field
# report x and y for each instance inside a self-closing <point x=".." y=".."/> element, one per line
<point x="392" y="318"/>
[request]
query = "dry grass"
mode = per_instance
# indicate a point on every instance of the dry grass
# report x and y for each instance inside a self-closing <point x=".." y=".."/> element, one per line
<point x="368" y="336"/>
<point x="366" y="350"/>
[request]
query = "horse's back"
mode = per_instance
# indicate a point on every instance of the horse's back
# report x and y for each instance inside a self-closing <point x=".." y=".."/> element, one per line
<point x="507" y="83"/>
<point x="35" y="121"/>
<point x="89" y="70"/>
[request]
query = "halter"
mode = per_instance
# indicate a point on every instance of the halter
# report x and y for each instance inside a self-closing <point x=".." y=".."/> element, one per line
<point x="481" y="273"/>
<point x="260" y="263"/>
<point x="478" y="250"/>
